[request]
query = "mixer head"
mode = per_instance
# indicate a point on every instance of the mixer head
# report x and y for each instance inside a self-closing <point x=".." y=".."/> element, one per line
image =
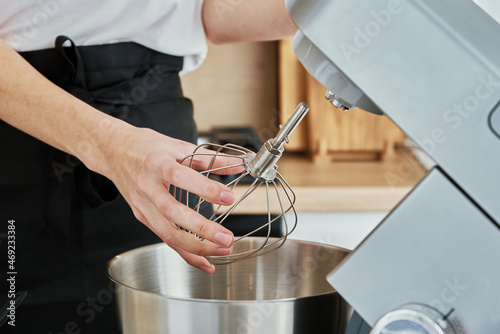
<point x="262" y="170"/>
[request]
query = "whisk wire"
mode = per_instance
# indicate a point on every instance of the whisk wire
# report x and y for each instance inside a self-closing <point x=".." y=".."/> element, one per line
<point x="250" y="190"/>
<point x="282" y="181"/>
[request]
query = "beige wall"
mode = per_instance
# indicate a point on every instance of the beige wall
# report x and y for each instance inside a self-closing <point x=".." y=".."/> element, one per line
<point x="236" y="86"/>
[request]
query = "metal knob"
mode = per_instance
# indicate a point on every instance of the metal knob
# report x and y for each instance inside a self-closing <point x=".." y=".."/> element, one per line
<point x="338" y="102"/>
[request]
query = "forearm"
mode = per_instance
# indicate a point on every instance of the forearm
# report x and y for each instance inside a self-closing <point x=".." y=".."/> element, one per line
<point x="31" y="103"/>
<point x="246" y="20"/>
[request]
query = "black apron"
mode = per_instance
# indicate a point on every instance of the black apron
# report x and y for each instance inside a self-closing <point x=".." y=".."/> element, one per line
<point x="69" y="221"/>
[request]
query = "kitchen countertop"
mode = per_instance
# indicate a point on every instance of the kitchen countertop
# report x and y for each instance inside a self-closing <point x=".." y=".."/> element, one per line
<point x="326" y="186"/>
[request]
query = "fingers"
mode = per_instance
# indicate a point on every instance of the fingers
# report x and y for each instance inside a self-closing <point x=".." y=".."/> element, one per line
<point x="189" y="219"/>
<point x="221" y="164"/>
<point x="189" y="247"/>
<point x="196" y="260"/>
<point x="194" y="182"/>
<point x="163" y="212"/>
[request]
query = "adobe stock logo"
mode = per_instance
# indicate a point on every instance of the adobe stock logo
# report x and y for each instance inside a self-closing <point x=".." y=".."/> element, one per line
<point x="451" y="291"/>
<point x="364" y="36"/>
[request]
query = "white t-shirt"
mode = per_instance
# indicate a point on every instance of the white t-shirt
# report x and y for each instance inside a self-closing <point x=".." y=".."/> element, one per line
<point x="169" y="26"/>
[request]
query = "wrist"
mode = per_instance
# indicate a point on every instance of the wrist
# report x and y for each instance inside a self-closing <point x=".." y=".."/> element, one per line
<point x="101" y="142"/>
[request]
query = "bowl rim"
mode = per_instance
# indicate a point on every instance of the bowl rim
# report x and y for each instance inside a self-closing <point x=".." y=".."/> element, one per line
<point x="109" y="264"/>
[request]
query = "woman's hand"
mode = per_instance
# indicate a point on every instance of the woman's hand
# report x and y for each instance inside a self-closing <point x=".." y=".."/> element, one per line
<point x="143" y="164"/>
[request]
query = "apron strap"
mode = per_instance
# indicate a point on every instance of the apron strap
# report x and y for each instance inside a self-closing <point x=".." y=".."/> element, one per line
<point x="73" y="59"/>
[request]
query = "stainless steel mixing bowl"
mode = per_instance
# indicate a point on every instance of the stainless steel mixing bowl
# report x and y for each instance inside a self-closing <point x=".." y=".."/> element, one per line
<point x="281" y="292"/>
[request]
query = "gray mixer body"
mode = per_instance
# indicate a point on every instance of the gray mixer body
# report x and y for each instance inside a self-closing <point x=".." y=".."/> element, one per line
<point x="433" y="67"/>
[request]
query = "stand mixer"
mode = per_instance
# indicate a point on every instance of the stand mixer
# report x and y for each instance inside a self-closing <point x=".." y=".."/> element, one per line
<point x="433" y="67"/>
